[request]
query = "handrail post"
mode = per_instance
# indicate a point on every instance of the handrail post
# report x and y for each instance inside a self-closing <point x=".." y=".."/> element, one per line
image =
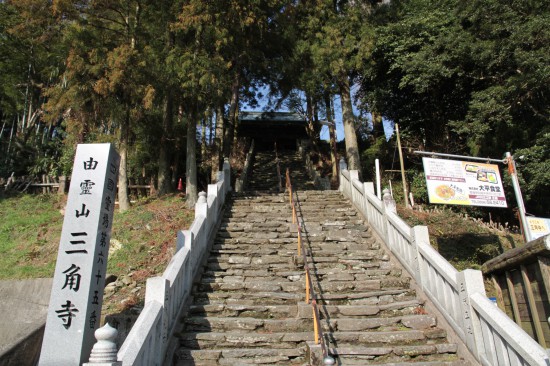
<point x="307" y="287"/>
<point x="278" y="169"/>
<point x="315" y="325"/>
<point x="470" y="281"/>
<point x="299" y="243"/>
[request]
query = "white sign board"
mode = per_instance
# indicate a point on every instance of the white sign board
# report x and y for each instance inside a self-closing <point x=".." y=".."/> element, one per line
<point x="455" y="182"/>
<point x="538" y="226"/>
<point x="74" y="311"/>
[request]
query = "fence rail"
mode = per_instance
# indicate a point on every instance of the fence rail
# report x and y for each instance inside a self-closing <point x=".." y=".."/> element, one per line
<point x="310" y="296"/>
<point x="491" y="337"/>
<point x="165" y="296"/>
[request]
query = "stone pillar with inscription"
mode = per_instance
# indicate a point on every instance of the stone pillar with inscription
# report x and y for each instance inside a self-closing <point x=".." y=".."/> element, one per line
<point x="74" y="311"/>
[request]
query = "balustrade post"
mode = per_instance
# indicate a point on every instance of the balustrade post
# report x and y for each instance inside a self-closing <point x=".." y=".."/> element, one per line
<point x="104" y="352"/>
<point x="227" y="174"/>
<point x="201" y="210"/>
<point x="470" y="281"/>
<point x="156" y="289"/>
<point x="420" y="234"/>
<point x="385" y="224"/>
<point x="201" y="207"/>
<point x="353" y="175"/>
<point x="389" y="202"/>
<point x="212" y="194"/>
<point x="213" y="207"/>
<point x="343" y="166"/>
<point x="185" y="239"/>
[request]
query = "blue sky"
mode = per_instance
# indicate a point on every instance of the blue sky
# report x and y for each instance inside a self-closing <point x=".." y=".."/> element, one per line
<point x="263" y="102"/>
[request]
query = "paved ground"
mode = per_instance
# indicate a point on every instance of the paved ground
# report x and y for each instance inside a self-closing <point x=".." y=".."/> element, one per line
<point x="23" y="305"/>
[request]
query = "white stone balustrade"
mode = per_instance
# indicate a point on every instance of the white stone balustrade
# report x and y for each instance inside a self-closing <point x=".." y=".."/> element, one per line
<point x="490" y="335"/>
<point x="148" y="342"/>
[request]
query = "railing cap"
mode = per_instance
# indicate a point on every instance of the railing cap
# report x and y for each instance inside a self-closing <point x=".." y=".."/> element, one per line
<point x="202" y="197"/>
<point x="105" y="350"/>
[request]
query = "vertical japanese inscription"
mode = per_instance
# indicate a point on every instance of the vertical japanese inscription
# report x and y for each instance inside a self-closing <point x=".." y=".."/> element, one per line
<point x="77" y="292"/>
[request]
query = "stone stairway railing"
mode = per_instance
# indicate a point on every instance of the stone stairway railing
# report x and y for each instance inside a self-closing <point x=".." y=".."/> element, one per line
<point x="165" y="296"/>
<point x="490" y="335"/>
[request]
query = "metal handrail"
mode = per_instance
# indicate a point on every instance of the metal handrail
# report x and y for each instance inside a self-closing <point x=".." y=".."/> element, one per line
<point x="278" y="169"/>
<point x="311" y="296"/>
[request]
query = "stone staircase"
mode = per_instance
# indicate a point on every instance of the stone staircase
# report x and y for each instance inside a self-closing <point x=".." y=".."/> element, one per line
<point x="248" y="306"/>
<point x="264" y="171"/>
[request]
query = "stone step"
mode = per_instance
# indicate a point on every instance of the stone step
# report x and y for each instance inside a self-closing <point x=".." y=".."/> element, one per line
<point x="323" y="288"/>
<point x="241" y="356"/>
<point x="346" y="317"/>
<point x="292" y="262"/>
<point x="386" y="296"/>
<point x="377" y="331"/>
<point x="339" y="333"/>
<point x="253" y="325"/>
<point x="427" y="354"/>
<point x="383" y="338"/>
<point x="238" y="310"/>
<point x="380" y="297"/>
<point x="303" y="310"/>
<point x="210" y="340"/>
<point x="291" y="244"/>
<point x="246" y="298"/>
<point x="236" y="254"/>
<point x="321" y="274"/>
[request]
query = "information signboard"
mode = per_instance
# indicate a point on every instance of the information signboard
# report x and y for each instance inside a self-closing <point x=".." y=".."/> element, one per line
<point x="538" y="226"/>
<point x="456" y="182"/>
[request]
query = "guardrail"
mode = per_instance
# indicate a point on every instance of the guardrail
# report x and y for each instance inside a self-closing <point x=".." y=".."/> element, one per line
<point x="310" y="296"/>
<point x="165" y="296"/>
<point x="490" y="335"/>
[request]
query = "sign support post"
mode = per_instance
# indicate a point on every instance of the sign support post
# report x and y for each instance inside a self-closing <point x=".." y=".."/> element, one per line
<point x="519" y="197"/>
<point x="403" y="178"/>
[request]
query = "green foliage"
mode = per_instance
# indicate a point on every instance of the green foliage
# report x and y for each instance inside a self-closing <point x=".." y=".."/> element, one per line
<point x="379" y="149"/>
<point x="459" y="77"/>
<point x="28" y="225"/>
<point x="417" y="185"/>
<point x="466" y="77"/>
<point x="533" y="167"/>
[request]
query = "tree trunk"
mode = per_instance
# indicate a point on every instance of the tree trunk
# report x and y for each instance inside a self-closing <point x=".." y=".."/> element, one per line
<point x="180" y="141"/>
<point x="203" y="138"/>
<point x="233" y="109"/>
<point x="191" y="161"/>
<point x="311" y="120"/>
<point x="352" y="148"/>
<point x="123" y="198"/>
<point x="332" y="134"/>
<point x="377" y="126"/>
<point x="217" y="156"/>
<point x="164" y="173"/>
<point x="211" y="126"/>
